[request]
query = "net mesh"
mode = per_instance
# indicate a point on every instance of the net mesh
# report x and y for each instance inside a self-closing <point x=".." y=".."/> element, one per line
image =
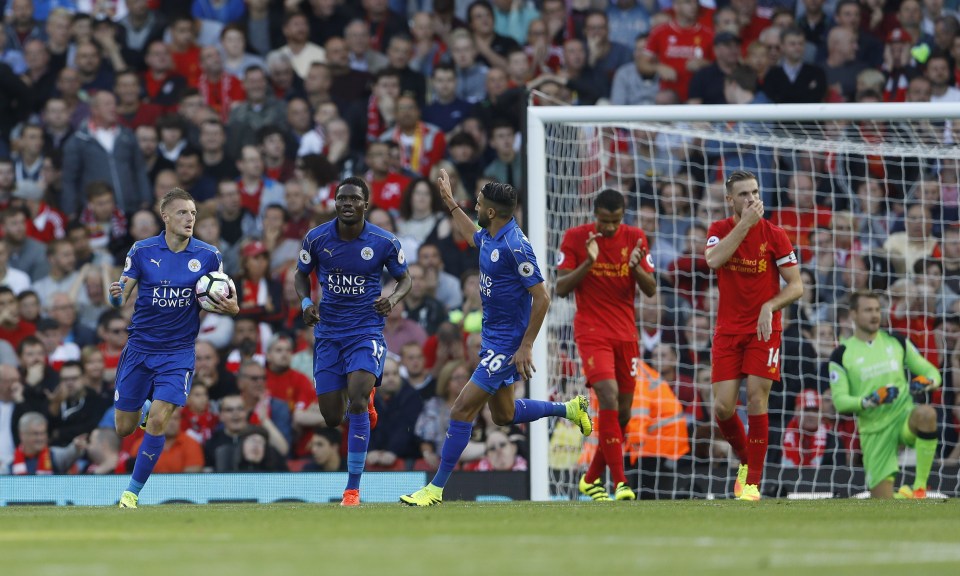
<point x="867" y="203"/>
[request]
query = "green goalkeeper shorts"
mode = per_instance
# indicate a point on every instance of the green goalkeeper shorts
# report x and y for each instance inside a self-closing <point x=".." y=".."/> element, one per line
<point x="880" y="449"/>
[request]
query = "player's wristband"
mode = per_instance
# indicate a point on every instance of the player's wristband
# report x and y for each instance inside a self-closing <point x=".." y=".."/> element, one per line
<point x="305" y="303"/>
<point x="116" y="301"/>
<point x="455" y="208"/>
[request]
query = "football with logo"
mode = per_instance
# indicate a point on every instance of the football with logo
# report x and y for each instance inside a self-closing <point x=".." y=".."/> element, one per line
<point x="212" y="282"/>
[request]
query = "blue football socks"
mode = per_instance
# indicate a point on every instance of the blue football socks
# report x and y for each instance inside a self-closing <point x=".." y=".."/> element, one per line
<point x="526" y="410"/>
<point x="458" y="436"/>
<point x="357" y="443"/>
<point x="150" y="450"/>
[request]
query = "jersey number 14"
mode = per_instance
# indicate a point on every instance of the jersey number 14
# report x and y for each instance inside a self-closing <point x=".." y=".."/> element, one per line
<point x="773" y="358"/>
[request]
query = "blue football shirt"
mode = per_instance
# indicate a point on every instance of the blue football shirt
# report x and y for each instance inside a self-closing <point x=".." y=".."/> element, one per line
<point x="508" y="268"/>
<point x="166" y="314"/>
<point x="349" y="276"/>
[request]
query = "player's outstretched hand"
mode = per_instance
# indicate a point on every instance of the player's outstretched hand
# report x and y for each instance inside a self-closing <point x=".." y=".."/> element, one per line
<point x="593" y="249"/>
<point x="523" y="360"/>
<point x="227" y="306"/>
<point x="752" y="212"/>
<point x="922" y="384"/>
<point x="638" y="254"/>
<point x="765" y="323"/>
<point x="885" y="395"/>
<point x="383" y="305"/>
<point x="446" y="191"/>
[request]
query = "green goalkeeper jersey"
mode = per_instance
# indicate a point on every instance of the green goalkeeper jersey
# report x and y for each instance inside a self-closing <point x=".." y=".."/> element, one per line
<point x="858" y="369"/>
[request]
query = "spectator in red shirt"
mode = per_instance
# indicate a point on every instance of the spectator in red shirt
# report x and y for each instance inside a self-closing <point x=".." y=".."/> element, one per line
<point x="13" y="329"/>
<point x="683" y="46"/>
<point x="46" y="223"/>
<point x="802" y="214"/>
<point x="807" y="437"/>
<point x="386" y="186"/>
<point x="220" y="90"/>
<point x="751" y="23"/>
<point x="197" y="420"/>
<point x="132" y="112"/>
<point x="277" y="165"/>
<point x="283" y="383"/>
<point x="112" y="331"/>
<point x="161" y="84"/>
<point x="184" y="49"/>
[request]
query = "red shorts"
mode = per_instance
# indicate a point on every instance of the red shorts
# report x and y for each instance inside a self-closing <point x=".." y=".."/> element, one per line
<point x="610" y="360"/>
<point x="737" y="355"/>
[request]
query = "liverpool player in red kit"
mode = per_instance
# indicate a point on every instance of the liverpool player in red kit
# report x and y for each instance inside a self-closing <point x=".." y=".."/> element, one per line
<point x="750" y="255"/>
<point x="603" y="263"/>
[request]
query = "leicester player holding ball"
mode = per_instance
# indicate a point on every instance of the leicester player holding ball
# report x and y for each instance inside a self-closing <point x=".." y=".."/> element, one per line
<point x="159" y="354"/>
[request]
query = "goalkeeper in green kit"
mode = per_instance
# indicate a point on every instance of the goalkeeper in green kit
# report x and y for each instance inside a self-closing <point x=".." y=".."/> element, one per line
<point x="868" y="380"/>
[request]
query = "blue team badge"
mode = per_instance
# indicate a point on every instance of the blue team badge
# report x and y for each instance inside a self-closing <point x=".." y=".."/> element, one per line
<point x="366" y="253"/>
<point x="304" y="256"/>
<point x="193" y="265"/>
<point x="525" y="269"/>
<point x="495" y="255"/>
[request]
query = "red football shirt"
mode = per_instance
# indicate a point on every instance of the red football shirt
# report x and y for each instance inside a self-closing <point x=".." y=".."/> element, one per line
<point x="750" y="277"/>
<point x="291" y="387"/>
<point x="387" y="193"/>
<point x="605" y="296"/>
<point x="674" y="45"/>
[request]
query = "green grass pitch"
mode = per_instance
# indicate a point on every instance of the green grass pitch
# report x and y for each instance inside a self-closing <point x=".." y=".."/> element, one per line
<point x="772" y="537"/>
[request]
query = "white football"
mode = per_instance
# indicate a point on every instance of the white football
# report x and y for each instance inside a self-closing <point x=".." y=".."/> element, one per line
<point x="212" y="282"/>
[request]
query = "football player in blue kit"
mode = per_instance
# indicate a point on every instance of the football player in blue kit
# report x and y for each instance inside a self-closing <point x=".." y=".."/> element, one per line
<point x="515" y="302"/>
<point x="348" y="255"/>
<point x="158" y="360"/>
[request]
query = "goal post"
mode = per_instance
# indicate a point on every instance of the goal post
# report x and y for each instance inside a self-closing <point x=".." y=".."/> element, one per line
<point x="575" y="151"/>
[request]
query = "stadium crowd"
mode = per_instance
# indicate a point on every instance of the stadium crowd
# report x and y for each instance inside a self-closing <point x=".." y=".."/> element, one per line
<point x="259" y="107"/>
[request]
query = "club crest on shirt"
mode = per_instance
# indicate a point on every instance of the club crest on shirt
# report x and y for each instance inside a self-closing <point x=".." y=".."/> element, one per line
<point x="366" y="253"/>
<point x="304" y="256"/>
<point x="127" y="264"/>
<point x="525" y="269"/>
<point x="401" y="258"/>
<point x="495" y="255"/>
<point x="560" y="258"/>
<point x="194" y="265"/>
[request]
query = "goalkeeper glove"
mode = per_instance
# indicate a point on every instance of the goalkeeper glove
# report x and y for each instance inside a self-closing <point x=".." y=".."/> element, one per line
<point x="922" y="384"/>
<point x="885" y="395"/>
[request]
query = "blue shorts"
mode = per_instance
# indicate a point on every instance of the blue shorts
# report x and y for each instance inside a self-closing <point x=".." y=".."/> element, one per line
<point x="333" y="360"/>
<point x="167" y="376"/>
<point x="494" y="371"/>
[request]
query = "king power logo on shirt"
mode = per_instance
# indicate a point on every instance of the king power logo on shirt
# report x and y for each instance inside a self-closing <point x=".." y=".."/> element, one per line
<point x="346" y="284"/>
<point x="486" y="285"/>
<point x="172" y="297"/>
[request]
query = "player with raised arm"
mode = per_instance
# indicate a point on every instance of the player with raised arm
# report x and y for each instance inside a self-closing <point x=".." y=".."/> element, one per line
<point x="348" y="255"/>
<point x="515" y="302"/>
<point x="868" y="379"/>
<point x="750" y="256"/>
<point x="603" y="263"/>
<point x="159" y="354"/>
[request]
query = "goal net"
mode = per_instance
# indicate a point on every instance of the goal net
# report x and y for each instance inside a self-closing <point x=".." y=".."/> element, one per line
<point x="868" y="194"/>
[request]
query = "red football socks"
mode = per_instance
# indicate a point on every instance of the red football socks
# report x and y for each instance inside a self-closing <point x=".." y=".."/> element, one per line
<point x="611" y="444"/>
<point x="733" y="432"/>
<point x="597" y="466"/>
<point x="757" y="448"/>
